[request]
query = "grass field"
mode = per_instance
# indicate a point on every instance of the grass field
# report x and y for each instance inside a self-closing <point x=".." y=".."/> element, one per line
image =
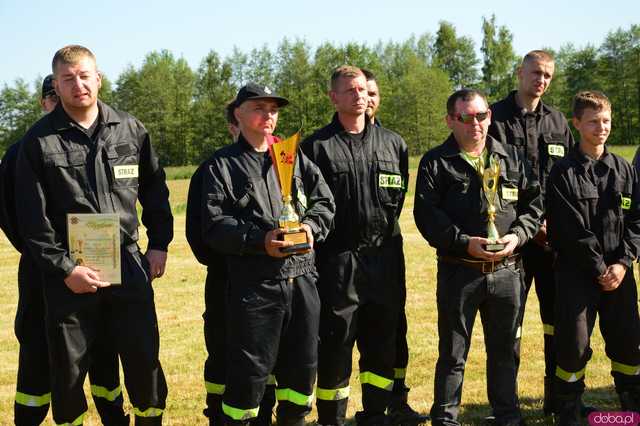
<point x="179" y="301"/>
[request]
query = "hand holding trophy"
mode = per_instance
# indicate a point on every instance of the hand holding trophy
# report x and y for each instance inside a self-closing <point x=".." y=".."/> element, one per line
<point x="283" y="156"/>
<point x="490" y="177"/>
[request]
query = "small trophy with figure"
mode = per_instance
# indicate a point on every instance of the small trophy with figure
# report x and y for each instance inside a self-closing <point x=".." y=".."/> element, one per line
<point x="490" y="177"/>
<point x="283" y="156"/>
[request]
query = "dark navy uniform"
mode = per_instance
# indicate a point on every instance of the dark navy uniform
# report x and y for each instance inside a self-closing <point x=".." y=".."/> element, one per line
<point x="449" y="209"/>
<point x="593" y="215"/>
<point x="33" y="389"/>
<point x="360" y="266"/>
<point x="63" y="168"/>
<point x="542" y="137"/>
<point x="272" y="303"/>
<point x="215" y="323"/>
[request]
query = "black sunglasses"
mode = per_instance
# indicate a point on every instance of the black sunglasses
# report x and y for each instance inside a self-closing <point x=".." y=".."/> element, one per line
<point x="468" y="118"/>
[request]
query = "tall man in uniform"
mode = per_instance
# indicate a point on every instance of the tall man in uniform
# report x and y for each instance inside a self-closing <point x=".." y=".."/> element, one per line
<point x="273" y="306"/>
<point x="71" y="161"/>
<point x="215" y="296"/>
<point x="33" y="390"/>
<point x="593" y="214"/>
<point x="542" y="136"/>
<point x="360" y="263"/>
<point x="399" y="410"/>
<point x="451" y="210"/>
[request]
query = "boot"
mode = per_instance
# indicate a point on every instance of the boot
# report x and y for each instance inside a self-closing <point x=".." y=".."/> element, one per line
<point x="400" y="412"/>
<point x="363" y="418"/>
<point x="148" y="421"/>
<point x="568" y="410"/>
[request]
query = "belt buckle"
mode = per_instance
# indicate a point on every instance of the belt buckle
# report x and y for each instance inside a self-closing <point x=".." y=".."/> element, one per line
<point x="491" y="269"/>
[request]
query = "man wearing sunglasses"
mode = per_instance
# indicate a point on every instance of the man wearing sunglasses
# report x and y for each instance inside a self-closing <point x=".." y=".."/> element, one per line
<point x="450" y="211"/>
<point x="542" y="136"/>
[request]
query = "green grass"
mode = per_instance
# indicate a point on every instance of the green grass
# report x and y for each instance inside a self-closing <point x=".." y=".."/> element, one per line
<point x="179" y="303"/>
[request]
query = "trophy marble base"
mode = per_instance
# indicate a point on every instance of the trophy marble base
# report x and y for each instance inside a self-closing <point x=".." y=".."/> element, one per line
<point x="494" y="247"/>
<point x="299" y="240"/>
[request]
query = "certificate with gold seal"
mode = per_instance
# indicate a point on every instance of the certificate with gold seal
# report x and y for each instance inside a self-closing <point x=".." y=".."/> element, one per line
<point x="94" y="241"/>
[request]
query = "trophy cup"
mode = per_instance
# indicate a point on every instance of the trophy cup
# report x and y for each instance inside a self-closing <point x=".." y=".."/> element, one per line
<point x="283" y="156"/>
<point x="490" y="176"/>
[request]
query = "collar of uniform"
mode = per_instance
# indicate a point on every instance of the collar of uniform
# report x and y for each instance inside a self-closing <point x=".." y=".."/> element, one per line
<point x="451" y="148"/>
<point x="335" y="122"/>
<point x="584" y="160"/>
<point x="540" y="109"/>
<point x="245" y="145"/>
<point x="62" y="121"/>
<point x="107" y="114"/>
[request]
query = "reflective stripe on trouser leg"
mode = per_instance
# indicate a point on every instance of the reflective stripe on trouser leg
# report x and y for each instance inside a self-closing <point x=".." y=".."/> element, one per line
<point x="271" y="380"/>
<point x="78" y="421"/>
<point x="103" y="392"/>
<point x="627" y="370"/>
<point x="369" y="378"/>
<point x="149" y="412"/>
<point x="294" y="397"/>
<point x="399" y="373"/>
<point x="33" y="400"/>
<point x="240" y="414"/>
<point x="549" y="329"/>
<point x="569" y="376"/>
<point x="333" y="394"/>
<point x="214" y="388"/>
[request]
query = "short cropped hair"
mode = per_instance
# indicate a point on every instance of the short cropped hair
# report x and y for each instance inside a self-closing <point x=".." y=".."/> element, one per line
<point x="370" y="76"/>
<point x="71" y="54"/>
<point x="590" y="99"/>
<point x="538" y="55"/>
<point x="228" y="112"/>
<point x="344" y="71"/>
<point x="466" y="95"/>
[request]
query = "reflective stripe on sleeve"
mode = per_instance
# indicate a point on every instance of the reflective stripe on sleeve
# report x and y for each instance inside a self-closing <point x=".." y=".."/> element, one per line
<point x="294" y="397"/>
<point x="33" y="400"/>
<point x="333" y="394"/>
<point x="399" y="373"/>
<point x="548" y="329"/>
<point x="102" y="392"/>
<point x="367" y="377"/>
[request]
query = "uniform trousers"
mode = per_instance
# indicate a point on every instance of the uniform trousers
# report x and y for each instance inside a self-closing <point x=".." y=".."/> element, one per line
<point x="461" y="293"/>
<point x="123" y="318"/>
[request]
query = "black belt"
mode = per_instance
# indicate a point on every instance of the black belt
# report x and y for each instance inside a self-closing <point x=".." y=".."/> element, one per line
<point x="484" y="266"/>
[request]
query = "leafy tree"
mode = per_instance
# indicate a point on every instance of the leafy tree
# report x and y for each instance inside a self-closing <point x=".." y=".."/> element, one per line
<point x="19" y="109"/>
<point x="455" y="56"/>
<point x="499" y="60"/>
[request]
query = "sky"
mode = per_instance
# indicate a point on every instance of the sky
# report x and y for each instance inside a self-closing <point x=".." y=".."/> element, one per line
<point x="121" y="33"/>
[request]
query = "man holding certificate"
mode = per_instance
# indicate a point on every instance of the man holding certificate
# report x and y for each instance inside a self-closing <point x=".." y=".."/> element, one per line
<point x="80" y="171"/>
<point x="264" y="204"/>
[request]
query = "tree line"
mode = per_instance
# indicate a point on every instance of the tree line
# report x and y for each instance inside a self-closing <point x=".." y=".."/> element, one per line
<point x="183" y="108"/>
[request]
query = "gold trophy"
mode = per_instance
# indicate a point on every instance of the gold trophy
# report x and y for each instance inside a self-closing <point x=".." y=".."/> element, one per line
<point x="283" y="156"/>
<point x="490" y="176"/>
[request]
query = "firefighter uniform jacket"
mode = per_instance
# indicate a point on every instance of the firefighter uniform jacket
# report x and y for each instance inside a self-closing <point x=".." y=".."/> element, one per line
<point x="368" y="180"/>
<point x="242" y="202"/>
<point x="593" y="211"/>
<point x="62" y="170"/>
<point x="450" y="206"/>
<point x="542" y="136"/>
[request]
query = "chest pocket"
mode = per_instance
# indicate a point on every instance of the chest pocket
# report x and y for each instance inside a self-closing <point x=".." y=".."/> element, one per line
<point x="339" y="181"/>
<point x="553" y="147"/>
<point x="67" y="171"/>
<point x="123" y="165"/>
<point x="508" y="189"/>
<point x="388" y="180"/>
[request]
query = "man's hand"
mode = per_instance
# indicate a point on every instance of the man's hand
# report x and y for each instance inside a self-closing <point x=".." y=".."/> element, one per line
<point x="541" y="237"/>
<point x="157" y="262"/>
<point x="84" y="280"/>
<point x="511" y="242"/>
<point x="612" y="277"/>
<point x="272" y="244"/>
<point x="476" y="248"/>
